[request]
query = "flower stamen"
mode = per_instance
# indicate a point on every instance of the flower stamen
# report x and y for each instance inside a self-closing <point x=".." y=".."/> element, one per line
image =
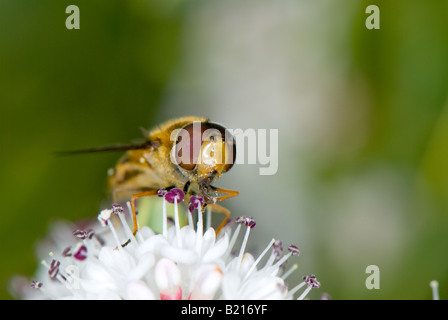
<point x="293" y="250"/>
<point x="161" y="194"/>
<point x="199" y="230"/>
<point x="290" y="270"/>
<point x="249" y="222"/>
<point x="254" y="265"/>
<point x="312" y="282"/>
<point x="119" y="211"/>
<point x="434" y="284"/>
<point x="80" y="234"/>
<point x="36" y="284"/>
<point x="104" y="218"/>
<point x="174" y="196"/>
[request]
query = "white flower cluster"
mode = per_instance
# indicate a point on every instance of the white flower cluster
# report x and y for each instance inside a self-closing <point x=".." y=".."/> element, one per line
<point x="179" y="263"/>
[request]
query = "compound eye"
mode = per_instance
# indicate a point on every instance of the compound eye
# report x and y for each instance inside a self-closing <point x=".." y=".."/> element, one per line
<point x="231" y="146"/>
<point x="188" y="146"/>
<point x="226" y="142"/>
<point x="190" y="140"/>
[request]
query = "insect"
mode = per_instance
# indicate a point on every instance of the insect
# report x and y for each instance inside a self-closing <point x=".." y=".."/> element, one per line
<point x="189" y="153"/>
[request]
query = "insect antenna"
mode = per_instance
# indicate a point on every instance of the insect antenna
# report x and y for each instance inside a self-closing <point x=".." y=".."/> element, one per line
<point x="117" y="147"/>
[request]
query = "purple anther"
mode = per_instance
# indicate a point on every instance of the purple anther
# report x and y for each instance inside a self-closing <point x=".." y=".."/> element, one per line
<point x="54" y="264"/>
<point x="36" y="284"/>
<point x="80" y="234"/>
<point x="247" y="221"/>
<point x="277" y="248"/>
<point x="174" y="194"/>
<point x="53" y="273"/>
<point x="294" y="250"/>
<point x="54" y="269"/>
<point x="90" y="234"/>
<point x="67" y="252"/>
<point x="195" y="203"/>
<point x="81" y="253"/>
<point x="311" y="280"/>
<point x="117" y="208"/>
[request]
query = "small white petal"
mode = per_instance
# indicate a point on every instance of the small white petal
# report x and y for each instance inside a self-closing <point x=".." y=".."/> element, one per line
<point x="151" y="245"/>
<point x="188" y="236"/>
<point x="208" y="239"/>
<point x="217" y="251"/>
<point x="117" y="260"/>
<point x="146" y="232"/>
<point x="97" y="287"/>
<point x="230" y="285"/>
<point x="246" y="263"/>
<point x="142" y="268"/>
<point x="167" y="275"/>
<point x="207" y="282"/>
<point x="263" y="288"/>
<point x="179" y="255"/>
<point x="105" y="295"/>
<point x="97" y="279"/>
<point x="138" y="290"/>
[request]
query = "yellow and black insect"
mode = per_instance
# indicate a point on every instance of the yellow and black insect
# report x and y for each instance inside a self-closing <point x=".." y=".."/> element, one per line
<point x="188" y="153"/>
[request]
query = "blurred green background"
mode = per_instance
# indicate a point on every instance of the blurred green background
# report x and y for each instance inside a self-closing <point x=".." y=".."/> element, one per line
<point x="362" y="118"/>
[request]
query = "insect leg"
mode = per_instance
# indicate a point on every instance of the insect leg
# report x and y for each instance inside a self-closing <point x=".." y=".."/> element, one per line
<point x="134" y="197"/>
<point x="229" y="193"/>
<point x="222" y="210"/>
<point x="122" y="193"/>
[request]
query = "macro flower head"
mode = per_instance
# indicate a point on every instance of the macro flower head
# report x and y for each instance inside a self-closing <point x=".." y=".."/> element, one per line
<point x="105" y="260"/>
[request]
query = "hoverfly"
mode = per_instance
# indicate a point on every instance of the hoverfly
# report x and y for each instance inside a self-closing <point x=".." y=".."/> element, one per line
<point x="189" y="153"/>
